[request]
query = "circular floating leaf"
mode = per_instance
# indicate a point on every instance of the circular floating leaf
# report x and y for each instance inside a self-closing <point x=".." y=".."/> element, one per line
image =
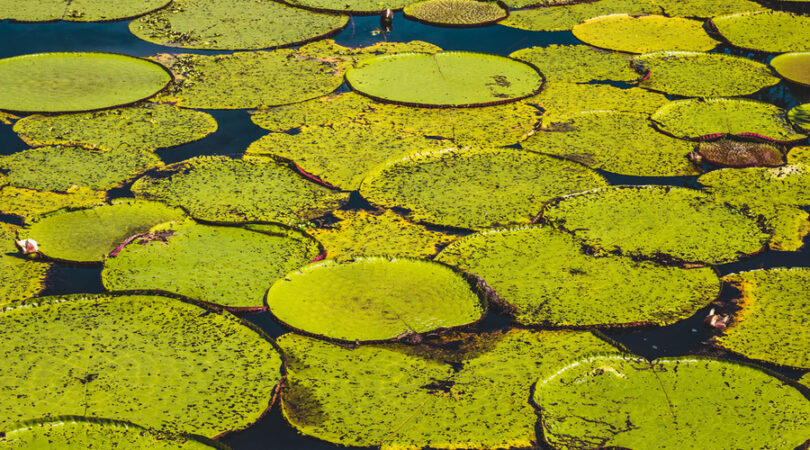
<point x="20" y="278"/>
<point x="726" y="152"/>
<point x="567" y="98"/>
<point x="692" y="74"/>
<point x="455" y="13"/>
<point x="765" y="31"/>
<point x="233" y="25"/>
<point x="713" y="118"/>
<point x="88" y="235"/>
<point x="28" y="204"/>
<point x="577" y="63"/>
<point x="77" y="81"/>
<point x="617" y="401"/>
<point x="550" y="280"/>
<point x="564" y="17"/>
<point x="658" y="222"/>
<point x="475" y="397"/>
<point x="134" y="128"/>
<point x="61" y="168"/>
<point x="794" y="67"/>
<point x="76" y="10"/>
<point x="445" y="79"/>
<point x="351" y="6"/>
<point x="157" y="361"/>
<point x="705" y="9"/>
<point x="221" y="189"/>
<point x="644" y="34"/>
<point x="374" y="298"/>
<point x="227" y="266"/>
<point x="618" y="142"/>
<point x="475" y="188"/>
<point x="800" y="117"/>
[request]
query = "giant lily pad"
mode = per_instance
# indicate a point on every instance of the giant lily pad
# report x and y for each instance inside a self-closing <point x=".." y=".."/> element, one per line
<point x="566" y="98"/>
<point x="445" y="79"/>
<point x="800" y="117"/>
<point x="351" y="6"/>
<point x="455" y="13"/>
<point x="475" y="188"/>
<point x="694" y="74"/>
<point x="157" y="361"/>
<point x="577" y="63"/>
<point x="765" y="31"/>
<point x="233" y="24"/>
<point x="707" y="8"/>
<point x="227" y="266"/>
<point x="644" y="34"/>
<point x="134" y="128"/>
<point x="76" y="10"/>
<point x="475" y="397"/>
<point x="221" y="189"/>
<point x="28" y="203"/>
<point x="618" y="142"/>
<point x="78" y="81"/>
<point x="59" y="168"/>
<point x="794" y="67"/>
<point x="20" y="278"/>
<point x="550" y="280"/>
<point x="374" y="298"/>
<point x="712" y="118"/>
<point x="88" y="235"/>
<point x="658" y="222"/>
<point x="564" y="17"/>
<point x="618" y="401"/>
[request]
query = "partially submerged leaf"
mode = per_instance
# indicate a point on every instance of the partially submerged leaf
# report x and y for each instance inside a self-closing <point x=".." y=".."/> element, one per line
<point x="566" y="16"/>
<point x="765" y="31"/>
<point x="566" y="98"/>
<point x="731" y="153"/>
<point x="800" y="117"/>
<point x="28" y="203"/>
<point x="577" y="63"/>
<point x="707" y="8"/>
<point x="644" y="34"/>
<point x="76" y="10"/>
<point x="455" y="13"/>
<point x="20" y="278"/>
<point x="794" y="67"/>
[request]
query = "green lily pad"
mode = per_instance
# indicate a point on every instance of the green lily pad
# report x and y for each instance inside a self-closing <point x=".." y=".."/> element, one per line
<point x="88" y="235"/>
<point x="805" y="380"/>
<point x="566" y="16"/>
<point x="226" y="266"/>
<point x="772" y="324"/>
<point x="705" y="9"/>
<point x="618" y="142"/>
<point x="765" y="31"/>
<point x="366" y="233"/>
<point x="475" y="188"/>
<point x="79" y="433"/>
<point x="619" y="401"/>
<point x="225" y="190"/>
<point x="550" y="280"/>
<point x="233" y="25"/>
<point x="374" y="298"/>
<point x="731" y="153"/>
<point x="351" y="6"/>
<point x="661" y="222"/>
<point x="76" y="81"/>
<point x="133" y="128"/>
<point x="76" y="10"/>
<point x="577" y="63"/>
<point x="20" y="278"/>
<point x="794" y="67"/>
<point x="7" y="118"/>
<point x="800" y="117"/>
<point x="455" y="13"/>
<point x="59" y="168"/>
<point x="28" y="203"/>
<point x="644" y="34"/>
<point x="713" y="118"/>
<point x="157" y="361"/>
<point x="445" y="79"/>
<point x="694" y="74"/>
<point x="476" y="397"/>
<point x="567" y="98"/>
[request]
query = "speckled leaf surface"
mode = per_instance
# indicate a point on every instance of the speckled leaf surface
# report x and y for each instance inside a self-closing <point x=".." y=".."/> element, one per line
<point x="351" y="6"/>
<point x="565" y="17"/>
<point x="794" y="67"/>
<point x="20" y="278"/>
<point x="533" y="3"/>
<point x="805" y="380"/>
<point x="475" y="398"/>
<point x="658" y="222"/>
<point x="374" y="298"/>
<point x="233" y="24"/>
<point x="227" y="266"/>
<point x="695" y="74"/>
<point x="88" y="235"/>
<point x="28" y="203"/>
<point x="76" y="10"/>
<point x="644" y="34"/>
<point x="550" y="280"/>
<point x="133" y="128"/>
<point x="76" y="81"/>
<point x="58" y="168"/>
<point x="765" y="31"/>
<point x="566" y="98"/>
<point x="707" y="8"/>
<point x="577" y="63"/>
<point x="624" y="143"/>
<point x="221" y="189"/>
<point x="733" y="153"/>
<point x="475" y="188"/>
<point x="7" y="118"/>
<point x="800" y="117"/>
<point x="616" y="401"/>
<point x="457" y="13"/>
<point x="156" y="361"/>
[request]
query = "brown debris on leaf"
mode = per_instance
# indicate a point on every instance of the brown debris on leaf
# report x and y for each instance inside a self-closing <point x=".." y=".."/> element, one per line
<point x="161" y="236"/>
<point x="410" y="337"/>
<point x="717" y="321"/>
<point x="731" y="153"/>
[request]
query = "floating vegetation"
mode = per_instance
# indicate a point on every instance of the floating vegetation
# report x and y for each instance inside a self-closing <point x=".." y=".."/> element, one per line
<point x="566" y="98"/>
<point x="225" y="190"/>
<point x="800" y="117"/>
<point x="76" y="10"/>
<point x="133" y="128"/>
<point x="765" y="31"/>
<point x="549" y="279"/>
<point x="645" y="34"/>
<point x="157" y="361"/>
<point x="693" y="74"/>
<point x="730" y="153"/>
<point x="29" y="203"/>
<point x="227" y="266"/>
<point x="455" y="13"/>
<point x="620" y="401"/>
<point x="713" y="118"/>
<point x="351" y="6"/>
<point x="20" y="278"/>
<point x="234" y="25"/>
<point x="794" y="67"/>
<point x="577" y="63"/>
<point x="565" y="16"/>
<point x="619" y="142"/>
<point x="658" y="222"/>
<point x="474" y="397"/>
<point x="76" y="81"/>
<point x="705" y="9"/>
<point x="475" y="188"/>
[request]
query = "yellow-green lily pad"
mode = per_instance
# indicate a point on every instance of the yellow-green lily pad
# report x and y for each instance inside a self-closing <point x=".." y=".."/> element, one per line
<point x="794" y="67"/>
<point x="765" y="31"/>
<point x="76" y="10"/>
<point x="20" y="278"/>
<point x="644" y="34"/>
<point x="29" y="204"/>
<point x="566" y="98"/>
<point x="351" y="6"/>
<point x="800" y="117"/>
<point x="455" y="13"/>
<point x="565" y="16"/>
<point x="577" y="63"/>
<point x="704" y="9"/>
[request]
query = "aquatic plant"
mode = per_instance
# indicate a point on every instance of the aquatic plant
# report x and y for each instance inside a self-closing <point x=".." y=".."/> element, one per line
<point x="765" y="31"/>
<point x="577" y="63"/>
<point x="455" y="13"/>
<point x="565" y="16"/>
<point x="732" y="153"/>
<point x="76" y="10"/>
<point x="20" y="278"/>
<point x="793" y="67"/>
<point x="644" y="34"/>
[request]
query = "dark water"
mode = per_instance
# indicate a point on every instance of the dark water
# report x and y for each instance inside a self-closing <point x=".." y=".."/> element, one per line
<point x="236" y="132"/>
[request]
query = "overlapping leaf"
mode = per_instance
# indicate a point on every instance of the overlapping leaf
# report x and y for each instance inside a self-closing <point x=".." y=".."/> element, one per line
<point x="793" y="66"/>
<point x="644" y="34"/>
<point x="577" y="63"/>
<point x="567" y="98"/>
<point x="566" y="16"/>
<point x="20" y="278"/>
<point x="76" y="10"/>
<point x="455" y="13"/>
<point x="765" y="31"/>
<point x="707" y="8"/>
<point x="29" y="203"/>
